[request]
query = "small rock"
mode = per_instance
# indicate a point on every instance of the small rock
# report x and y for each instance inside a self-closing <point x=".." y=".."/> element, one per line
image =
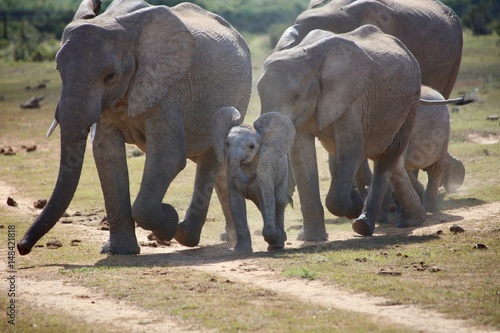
<point x="66" y="221"/>
<point x="434" y="269"/>
<point x="480" y="246"/>
<point x="31" y="148"/>
<point x="11" y="202"/>
<point x="492" y="117"/>
<point x="33" y="103"/>
<point x="7" y="151"/>
<point x="294" y="227"/>
<point x="75" y="242"/>
<point x="389" y="273"/>
<point x="54" y="244"/>
<point x="439" y="232"/>
<point x="40" y="203"/>
<point x="150" y="244"/>
<point x="456" y="229"/>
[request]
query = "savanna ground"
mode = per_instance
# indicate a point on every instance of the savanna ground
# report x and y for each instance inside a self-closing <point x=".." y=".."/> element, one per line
<point x="426" y="279"/>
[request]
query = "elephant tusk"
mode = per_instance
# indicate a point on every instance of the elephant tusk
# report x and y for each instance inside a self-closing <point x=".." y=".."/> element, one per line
<point x="92" y="131"/>
<point x="51" y="128"/>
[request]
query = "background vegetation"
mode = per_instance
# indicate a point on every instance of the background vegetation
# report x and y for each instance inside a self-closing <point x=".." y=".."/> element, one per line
<point x="33" y="28"/>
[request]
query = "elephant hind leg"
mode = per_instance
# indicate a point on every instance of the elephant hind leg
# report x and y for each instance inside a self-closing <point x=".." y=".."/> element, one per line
<point x="434" y="173"/>
<point x="412" y="213"/>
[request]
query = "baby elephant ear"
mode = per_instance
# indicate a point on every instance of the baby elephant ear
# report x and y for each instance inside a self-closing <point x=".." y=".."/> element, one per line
<point x="88" y="9"/>
<point x="277" y="133"/>
<point x="222" y="121"/>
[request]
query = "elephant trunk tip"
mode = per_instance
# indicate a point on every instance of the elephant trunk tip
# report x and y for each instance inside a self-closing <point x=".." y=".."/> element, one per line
<point x="23" y="247"/>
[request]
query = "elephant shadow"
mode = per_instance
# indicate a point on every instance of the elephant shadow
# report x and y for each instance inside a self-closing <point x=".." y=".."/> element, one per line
<point x="220" y="253"/>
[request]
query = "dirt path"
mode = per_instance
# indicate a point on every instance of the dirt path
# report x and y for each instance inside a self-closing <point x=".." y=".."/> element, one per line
<point x="85" y="304"/>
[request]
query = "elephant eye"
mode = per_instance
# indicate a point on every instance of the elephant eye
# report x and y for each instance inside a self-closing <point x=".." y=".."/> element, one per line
<point x="295" y="98"/>
<point x="109" y="78"/>
<point x="252" y="146"/>
<point x="227" y="143"/>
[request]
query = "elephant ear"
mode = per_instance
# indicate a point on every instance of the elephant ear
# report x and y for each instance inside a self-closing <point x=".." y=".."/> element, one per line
<point x="288" y="39"/>
<point x="344" y="76"/>
<point x="375" y="13"/>
<point x="223" y="120"/>
<point x="88" y="9"/>
<point x="164" y="51"/>
<point x="317" y="3"/>
<point x="277" y="133"/>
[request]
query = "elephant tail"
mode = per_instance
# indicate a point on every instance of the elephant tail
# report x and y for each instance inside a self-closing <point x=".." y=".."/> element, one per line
<point x="468" y="98"/>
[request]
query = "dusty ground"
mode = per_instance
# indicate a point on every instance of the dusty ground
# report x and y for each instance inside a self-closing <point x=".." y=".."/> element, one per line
<point x="87" y="305"/>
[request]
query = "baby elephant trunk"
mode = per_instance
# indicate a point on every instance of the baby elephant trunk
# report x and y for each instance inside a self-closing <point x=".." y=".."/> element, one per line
<point x="235" y="171"/>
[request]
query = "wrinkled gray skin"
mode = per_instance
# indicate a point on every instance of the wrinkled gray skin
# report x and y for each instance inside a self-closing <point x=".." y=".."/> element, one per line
<point x="428" y="151"/>
<point x="256" y="166"/>
<point x="430" y="30"/>
<point x="152" y="76"/>
<point x="358" y="93"/>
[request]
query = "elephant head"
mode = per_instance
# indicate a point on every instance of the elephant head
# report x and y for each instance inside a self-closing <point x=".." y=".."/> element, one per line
<point x="108" y="62"/>
<point x="338" y="17"/>
<point x="270" y="139"/>
<point x="454" y="174"/>
<point x="320" y="78"/>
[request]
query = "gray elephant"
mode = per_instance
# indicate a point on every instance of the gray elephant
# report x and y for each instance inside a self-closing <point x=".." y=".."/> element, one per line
<point x="430" y="30"/>
<point x="152" y="76"/>
<point x="256" y="167"/>
<point x="427" y="150"/>
<point x="358" y="93"/>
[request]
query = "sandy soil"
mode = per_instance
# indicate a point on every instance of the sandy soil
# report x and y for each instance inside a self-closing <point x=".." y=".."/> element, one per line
<point x="87" y="305"/>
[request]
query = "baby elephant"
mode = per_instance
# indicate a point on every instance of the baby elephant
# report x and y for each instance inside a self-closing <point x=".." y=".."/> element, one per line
<point x="255" y="160"/>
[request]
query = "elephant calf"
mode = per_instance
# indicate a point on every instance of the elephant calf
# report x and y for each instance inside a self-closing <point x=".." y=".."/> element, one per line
<point x="255" y="161"/>
<point x="428" y="150"/>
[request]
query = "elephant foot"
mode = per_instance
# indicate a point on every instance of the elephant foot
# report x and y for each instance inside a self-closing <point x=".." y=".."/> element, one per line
<point x="276" y="244"/>
<point x="185" y="236"/>
<point x="308" y="235"/>
<point x="350" y="211"/>
<point x="275" y="247"/>
<point x="364" y="224"/>
<point x="163" y="224"/>
<point x="431" y="206"/>
<point x="167" y="230"/>
<point x="243" y="247"/>
<point x="415" y="220"/>
<point x="124" y="242"/>
<point x="131" y="249"/>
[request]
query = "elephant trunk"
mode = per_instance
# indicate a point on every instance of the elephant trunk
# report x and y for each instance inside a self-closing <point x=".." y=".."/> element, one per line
<point x="73" y="144"/>
<point x="234" y="169"/>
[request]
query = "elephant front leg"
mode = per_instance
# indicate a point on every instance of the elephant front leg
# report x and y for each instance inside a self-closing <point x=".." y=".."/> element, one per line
<point x="229" y="234"/>
<point x="365" y="223"/>
<point x="111" y="162"/>
<point x="305" y="169"/>
<point x="272" y="205"/>
<point x="239" y="215"/>
<point x="165" y="158"/>
<point x="207" y="169"/>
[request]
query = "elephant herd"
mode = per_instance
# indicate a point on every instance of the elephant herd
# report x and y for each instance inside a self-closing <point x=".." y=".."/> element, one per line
<point x="370" y="79"/>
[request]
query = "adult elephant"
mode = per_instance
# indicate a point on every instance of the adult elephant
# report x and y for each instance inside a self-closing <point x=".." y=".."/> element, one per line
<point x="430" y="30"/>
<point x="152" y="76"/>
<point x="358" y="93"/>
